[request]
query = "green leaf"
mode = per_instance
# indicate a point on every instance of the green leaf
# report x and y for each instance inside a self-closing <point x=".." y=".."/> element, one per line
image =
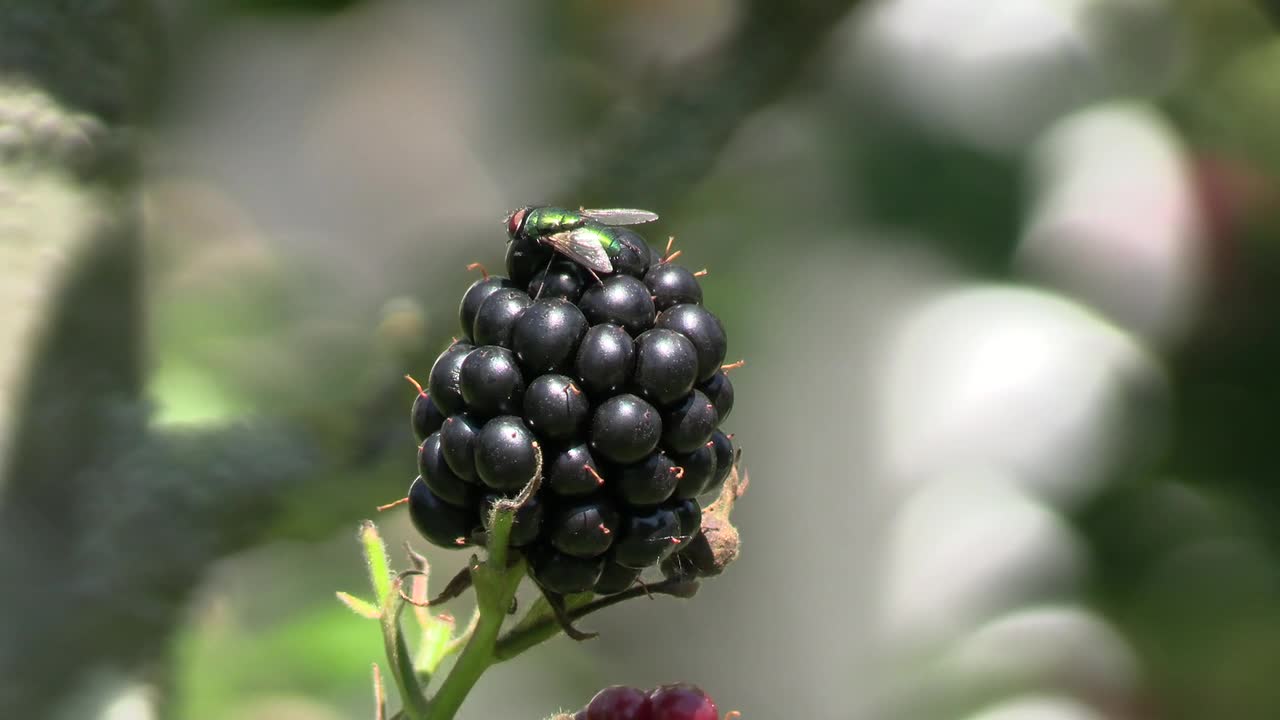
<point x="436" y="643"/>
<point x="375" y="554"/>
<point x="363" y="608"/>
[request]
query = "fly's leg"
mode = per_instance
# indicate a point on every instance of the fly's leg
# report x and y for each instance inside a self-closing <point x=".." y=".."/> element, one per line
<point x="542" y="285"/>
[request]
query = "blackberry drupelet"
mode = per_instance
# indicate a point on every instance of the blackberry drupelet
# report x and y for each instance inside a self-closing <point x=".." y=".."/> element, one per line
<point x="625" y="429"/>
<point x="424" y="417"/>
<point x="458" y="444"/>
<point x="443" y="382"/>
<point x="646" y="537"/>
<point x="572" y="471"/>
<point x="439" y="522"/>
<point x="562" y="573"/>
<point x="672" y="285"/>
<point x="682" y="702"/>
<point x="440" y="478"/>
<point x="646" y="483"/>
<point x="479" y="291"/>
<point x="506" y="453"/>
<point x="666" y="366"/>
<point x="621" y="300"/>
<point x="556" y="408"/>
<point x="606" y="360"/>
<point x="497" y="316"/>
<point x="703" y="329"/>
<point x="586" y="528"/>
<point x="619" y="703"/>
<point x="561" y="279"/>
<point x="490" y="382"/>
<point x="720" y="392"/>
<point x="546" y="336"/>
<point x="688" y="426"/>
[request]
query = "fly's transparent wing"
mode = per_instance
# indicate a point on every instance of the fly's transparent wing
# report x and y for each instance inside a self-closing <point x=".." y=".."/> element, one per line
<point x="582" y="246"/>
<point x="619" y="216"/>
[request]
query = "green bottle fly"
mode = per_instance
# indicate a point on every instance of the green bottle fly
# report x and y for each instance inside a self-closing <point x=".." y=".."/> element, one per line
<point x="584" y="236"/>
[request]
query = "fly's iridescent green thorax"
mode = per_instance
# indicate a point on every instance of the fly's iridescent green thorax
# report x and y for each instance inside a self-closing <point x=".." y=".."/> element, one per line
<point x="546" y="220"/>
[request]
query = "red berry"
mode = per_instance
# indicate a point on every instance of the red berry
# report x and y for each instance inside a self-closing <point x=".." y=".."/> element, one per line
<point x="682" y="702"/>
<point x="619" y="702"/>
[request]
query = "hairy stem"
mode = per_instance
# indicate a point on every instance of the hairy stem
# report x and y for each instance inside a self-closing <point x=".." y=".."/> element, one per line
<point x="415" y="705"/>
<point x="496" y="583"/>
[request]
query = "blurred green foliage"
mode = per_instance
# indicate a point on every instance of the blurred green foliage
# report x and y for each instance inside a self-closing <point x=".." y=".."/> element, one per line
<point x="1184" y="547"/>
<point x="289" y="6"/>
<point x="321" y="653"/>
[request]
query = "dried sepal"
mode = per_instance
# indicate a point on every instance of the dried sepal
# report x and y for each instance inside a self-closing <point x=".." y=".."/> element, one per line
<point x="717" y="543"/>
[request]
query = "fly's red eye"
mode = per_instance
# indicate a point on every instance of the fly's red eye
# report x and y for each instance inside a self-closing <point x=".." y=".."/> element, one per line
<point x="513" y="224"/>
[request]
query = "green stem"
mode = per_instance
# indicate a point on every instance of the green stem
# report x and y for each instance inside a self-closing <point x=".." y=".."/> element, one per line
<point x="496" y="582"/>
<point x="415" y="705"/>
<point x="522" y="637"/>
<point x="476" y="657"/>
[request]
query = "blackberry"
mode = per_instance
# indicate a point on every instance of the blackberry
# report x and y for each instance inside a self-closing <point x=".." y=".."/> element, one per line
<point x="497" y="315"/>
<point x="439" y="522"/>
<point x="556" y="408"/>
<point x="442" y="480"/>
<point x="546" y="336"/>
<point x="681" y="701"/>
<point x="703" y="329"/>
<point x="625" y="429"/>
<point x="490" y="382"/>
<point x="621" y="300"/>
<point x="442" y="383"/>
<point x="616" y="380"/>
<point x="666" y="366"/>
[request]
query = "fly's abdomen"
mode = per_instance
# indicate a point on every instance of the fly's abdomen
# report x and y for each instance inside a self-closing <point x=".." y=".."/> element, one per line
<point x="611" y="243"/>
